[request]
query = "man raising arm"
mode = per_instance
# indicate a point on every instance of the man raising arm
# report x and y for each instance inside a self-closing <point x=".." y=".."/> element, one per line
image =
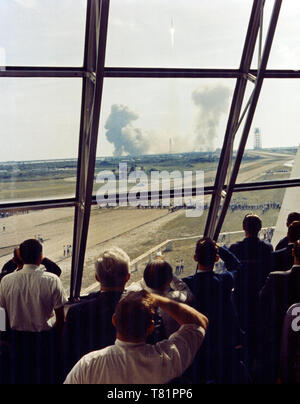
<point x="131" y="360"/>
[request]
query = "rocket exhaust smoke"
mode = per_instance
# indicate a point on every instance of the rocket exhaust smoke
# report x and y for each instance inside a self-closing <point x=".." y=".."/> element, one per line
<point x="212" y="102"/>
<point x="121" y="133"/>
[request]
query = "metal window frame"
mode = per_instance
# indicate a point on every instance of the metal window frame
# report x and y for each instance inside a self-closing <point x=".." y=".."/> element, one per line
<point x="93" y="73"/>
<point x="250" y="115"/>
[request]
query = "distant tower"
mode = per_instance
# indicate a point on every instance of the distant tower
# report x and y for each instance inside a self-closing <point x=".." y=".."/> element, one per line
<point x="257" y="139"/>
<point x="170" y="145"/>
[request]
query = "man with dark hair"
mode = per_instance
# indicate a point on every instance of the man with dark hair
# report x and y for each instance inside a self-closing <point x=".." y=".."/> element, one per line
<point x="31" y="251"/>
<point x="88" y="325"/>
<point x="282" y="289"/>
<point x="292" y="217"/>
<point x="29" y="297"/>
<point x="134" y="316"/>
<point x="252" y="225"/>
<point x="253" y="253"/>
<point x="36" y="292"/>
<point x="282" y="260"/>
<point x="16" y="263"/>
<point x="212" y="292"/>
<point x="256" y="259"/>
<point x="131" y="360"/>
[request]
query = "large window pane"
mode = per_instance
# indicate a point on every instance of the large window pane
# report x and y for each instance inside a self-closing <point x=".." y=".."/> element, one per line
<point x="143" y="233"/>
<point x="285" y="53"/>
<point x="54" y="227"/>
<point x="181" y="33"/>
<point x="163" y="125"/>
<point x="273" y="138"/>
<point x="43" y="33"/>
<point x="266" y="204"/>
<point x="40" y="121"/>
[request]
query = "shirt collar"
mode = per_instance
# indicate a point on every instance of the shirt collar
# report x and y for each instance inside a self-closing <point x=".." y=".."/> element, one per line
<point x="128" y="344"/>
<point x="29" y="267"/>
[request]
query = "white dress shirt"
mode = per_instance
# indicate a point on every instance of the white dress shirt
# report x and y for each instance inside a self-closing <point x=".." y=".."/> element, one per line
<point x="131" y="363"/>
<point x="2" y="320"/>
<point x="29" y="297"/>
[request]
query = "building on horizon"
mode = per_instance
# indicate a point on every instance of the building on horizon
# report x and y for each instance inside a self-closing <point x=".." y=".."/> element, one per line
<point x="257" y="139"/>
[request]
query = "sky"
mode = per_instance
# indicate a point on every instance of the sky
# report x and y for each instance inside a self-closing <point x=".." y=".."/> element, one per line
<point x="40" y="118"/>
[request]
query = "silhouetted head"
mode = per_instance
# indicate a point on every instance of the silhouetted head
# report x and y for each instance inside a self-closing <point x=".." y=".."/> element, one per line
<point x="31" y="252"/>
<point x="206" y="253"/>
<point x="158" y="275"/>
<point x="292" y="217"/>
<point x="133" y="317"/>
<point x="112" y="269"/>
<point x="252" y="225"/>
<point x="294" y="232"/>
<point x="296" y="252"/>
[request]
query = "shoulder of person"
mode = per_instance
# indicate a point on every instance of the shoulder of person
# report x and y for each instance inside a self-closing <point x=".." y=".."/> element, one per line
<point x="279" y="274"/>
<point x="48" y="275"/>
<point x="9" y="278"/>
<point x="226" y="275"/>
<point x="77" y="309"/>
<point x="236" y="245"/>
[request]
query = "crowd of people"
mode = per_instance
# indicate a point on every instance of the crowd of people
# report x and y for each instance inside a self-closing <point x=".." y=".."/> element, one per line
<point x="206" y="328"/>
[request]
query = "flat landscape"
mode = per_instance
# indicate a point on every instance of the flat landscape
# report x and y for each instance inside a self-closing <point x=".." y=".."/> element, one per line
<point x="135" y="230"/>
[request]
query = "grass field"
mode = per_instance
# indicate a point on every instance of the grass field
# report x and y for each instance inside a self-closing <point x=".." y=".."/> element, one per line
<point x="33" y="190"/>
<point x="58" y="187"/>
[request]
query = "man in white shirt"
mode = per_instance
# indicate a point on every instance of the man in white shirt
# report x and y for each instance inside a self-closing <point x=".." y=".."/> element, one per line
<point x="30" y="296"/>
<point x="131" y="360"/>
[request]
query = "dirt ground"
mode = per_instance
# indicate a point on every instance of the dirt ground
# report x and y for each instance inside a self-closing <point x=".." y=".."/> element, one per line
<point x="128" y="228"/>
<point x="134" y="230"/>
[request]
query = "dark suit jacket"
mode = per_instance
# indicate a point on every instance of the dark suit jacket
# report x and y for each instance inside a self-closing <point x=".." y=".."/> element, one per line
<point x="283" y="243"/>
<point x="213" y="298"/>
<point x="88" y="327"/>
<point x="282" y="289"/>
<point x="231" y="261"/>
<point x="256" y="263"/>
<point x="213" y="293"/>
<point x="255" y="255"/>
<point x="282" y="260"/>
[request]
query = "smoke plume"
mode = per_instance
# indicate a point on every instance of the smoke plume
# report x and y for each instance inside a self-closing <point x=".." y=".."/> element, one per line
<point x="120" y="132"/>
<point x="212" y="102"/>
